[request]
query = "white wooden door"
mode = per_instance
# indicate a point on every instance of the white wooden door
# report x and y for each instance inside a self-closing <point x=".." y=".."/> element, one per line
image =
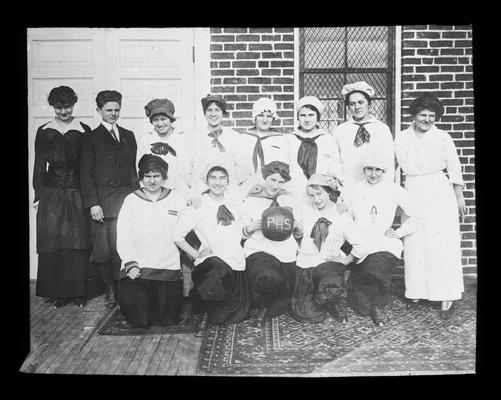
<point x="141" y="63"/>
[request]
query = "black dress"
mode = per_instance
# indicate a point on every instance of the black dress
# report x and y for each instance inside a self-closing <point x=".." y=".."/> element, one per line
<point x="63" y="240"/>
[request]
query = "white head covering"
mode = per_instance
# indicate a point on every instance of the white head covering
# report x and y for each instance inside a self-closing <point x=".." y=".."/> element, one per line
<point x="361" y="86"/>
<point x="324" y="180"/>
<point x="264" y="104"/>
<point x="312" y="101"/>
<point x="374" y="158"/>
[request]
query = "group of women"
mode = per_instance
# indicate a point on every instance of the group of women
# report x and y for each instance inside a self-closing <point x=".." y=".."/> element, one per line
<point x="279" y="222"/>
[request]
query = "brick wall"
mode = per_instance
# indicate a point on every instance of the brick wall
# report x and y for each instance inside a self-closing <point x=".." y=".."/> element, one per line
<point x="249" y="63"/>
<point x="438" y="58"/>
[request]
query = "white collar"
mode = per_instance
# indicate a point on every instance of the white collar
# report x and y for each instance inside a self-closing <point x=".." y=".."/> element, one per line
<point x="319" y="131"/>
<point x="370" y="119"/>
<point x="109" y="126"/>
<point x="73" y="125"/>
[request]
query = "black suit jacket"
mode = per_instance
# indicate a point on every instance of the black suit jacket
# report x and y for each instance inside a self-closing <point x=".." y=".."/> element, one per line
<point x="108" y="169"/>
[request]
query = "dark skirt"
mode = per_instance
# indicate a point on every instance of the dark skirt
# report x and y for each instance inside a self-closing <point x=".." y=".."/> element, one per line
<point x="61" y="221"/>
<point x="67" y="273"/>
<point x="270" y="283"/>
<point x="145" y="302"/>
<point x="369" y="283"/>
<point x="222" y="291"/>
<point x="316" y="289"/>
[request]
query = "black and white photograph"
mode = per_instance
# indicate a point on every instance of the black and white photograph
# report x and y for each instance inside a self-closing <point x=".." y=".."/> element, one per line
<point x="251" y="201"/>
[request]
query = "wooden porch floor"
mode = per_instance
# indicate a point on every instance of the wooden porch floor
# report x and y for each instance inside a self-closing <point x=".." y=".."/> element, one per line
<point x="62" y="343"/>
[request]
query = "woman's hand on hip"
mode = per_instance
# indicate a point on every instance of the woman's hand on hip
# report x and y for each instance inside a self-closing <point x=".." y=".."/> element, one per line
<point x="96" y="212"/>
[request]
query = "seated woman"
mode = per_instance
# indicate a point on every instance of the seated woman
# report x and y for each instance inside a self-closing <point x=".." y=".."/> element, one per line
<point x="150" y="290"/>
<point x="372" y="204"/>
<point x="270" y="264"/>
<point x="319" y="285"/>
<point x="219" y="274"/>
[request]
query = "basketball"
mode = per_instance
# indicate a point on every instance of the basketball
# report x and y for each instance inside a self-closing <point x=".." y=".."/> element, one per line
<point x="277" y="223"/>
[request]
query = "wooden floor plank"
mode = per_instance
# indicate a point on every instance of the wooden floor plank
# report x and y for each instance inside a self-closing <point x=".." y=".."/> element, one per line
<point x="159" y="355"/>
<point x="151" y="349"/>
<point x="169" y="351"/>
<point x="179" y="364"/>
<point x="129" y="355"/>
<point x="108" y="350"/>
<point x="138" y="356"/>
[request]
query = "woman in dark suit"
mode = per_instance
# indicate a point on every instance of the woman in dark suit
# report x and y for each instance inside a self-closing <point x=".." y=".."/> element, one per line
<point x="62" y="233"/>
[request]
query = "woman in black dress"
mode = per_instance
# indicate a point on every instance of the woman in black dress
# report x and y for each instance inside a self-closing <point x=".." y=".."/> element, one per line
<point x="62" y="233"/>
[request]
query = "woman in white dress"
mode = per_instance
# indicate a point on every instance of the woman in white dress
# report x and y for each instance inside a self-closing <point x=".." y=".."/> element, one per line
<point x="433" y="268"/>
<point x="312" y="150"/>
<point x="361" y="132"/>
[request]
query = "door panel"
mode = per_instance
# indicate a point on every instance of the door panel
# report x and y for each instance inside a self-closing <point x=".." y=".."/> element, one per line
<point x="140" y="63"/>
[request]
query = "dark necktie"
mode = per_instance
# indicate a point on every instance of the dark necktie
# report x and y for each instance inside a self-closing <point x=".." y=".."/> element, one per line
<point x="362" y="135"/>
<point x="161" y="148"/>
<point x="215" y="141"/>
<point x="224" y="216"/>
<point x="112" y="131"/>
<point x="320" y="231"/>
<point x="258" y="149"/>
<point x="307" y="155"/>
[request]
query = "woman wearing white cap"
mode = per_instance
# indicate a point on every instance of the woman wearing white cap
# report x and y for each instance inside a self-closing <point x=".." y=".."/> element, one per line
<point x="361" y="132"/>
<point x="433" y="269"/>
<point x="223" y="146"/>
<point x="319" y="284"/>
<point x="268" y="144"/>
<point x="312" y="150"/>
<point x="372" y="204"/>
<point x="170" y="145"/>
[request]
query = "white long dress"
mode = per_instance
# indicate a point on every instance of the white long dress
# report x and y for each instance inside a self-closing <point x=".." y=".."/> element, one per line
<point x="351" y="156"/>
<point x="432" y="255"/>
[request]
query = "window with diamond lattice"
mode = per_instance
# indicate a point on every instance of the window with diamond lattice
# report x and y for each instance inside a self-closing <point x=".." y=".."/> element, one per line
<point x="331" y="57"/>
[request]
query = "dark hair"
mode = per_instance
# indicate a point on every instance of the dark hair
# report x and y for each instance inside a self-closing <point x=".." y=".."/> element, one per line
<point x="106" y="96"/>
<point x="61" y="96"/>
<point x="333" y="194"/>
<point x="347" y="97"/>
<point x="217" y="103"/>
<point x="427" y="101"/>
<point x="217" y="168"/>
<point x="313" y="108"/>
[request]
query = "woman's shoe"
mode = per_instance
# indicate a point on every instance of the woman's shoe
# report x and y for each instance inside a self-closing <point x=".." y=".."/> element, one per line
<point x="80" y="302"/>
<point x="338" y="310"/>
<point x="378" y="316"/>
<point x="447" y="314"/>
<point x="60" y="302"/>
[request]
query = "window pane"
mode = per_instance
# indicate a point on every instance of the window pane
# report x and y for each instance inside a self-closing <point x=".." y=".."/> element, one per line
<point x="377" y="80"/>
<point x="368" y="47"/>
<point x="323" y="47"/>
<point x="323" y="85"/>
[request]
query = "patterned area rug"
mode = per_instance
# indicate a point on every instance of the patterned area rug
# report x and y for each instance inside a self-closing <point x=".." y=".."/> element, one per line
<point x="416" y="339"/>
<point x="117" y="325"/>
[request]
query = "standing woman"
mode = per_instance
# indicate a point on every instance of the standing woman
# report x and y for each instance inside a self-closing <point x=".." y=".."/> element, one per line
<point x="268" y="144"/>
<point x="432" y="256"/>
<point x="219" y="274"/>
<point x="169" y="144"/>
<point x="361" y="132"/>
<point x="312" y="150"/>
<point x="62" y="233"/>
<point x="223" y="146"/>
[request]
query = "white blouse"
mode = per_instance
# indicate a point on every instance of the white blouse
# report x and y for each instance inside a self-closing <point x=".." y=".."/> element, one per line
<point x="308" y="255"/>
<point x="222" y="240"/>
<point x="428" y="152"/>
<point x="235" y="159"/>
<point x="328" y="158"/>
<point x="373" y="208"/>
<point x="351" y="156"/>
<point x="145" y="230"/>
<point x="181" y="166"/>
<point x="253" y="208"/>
